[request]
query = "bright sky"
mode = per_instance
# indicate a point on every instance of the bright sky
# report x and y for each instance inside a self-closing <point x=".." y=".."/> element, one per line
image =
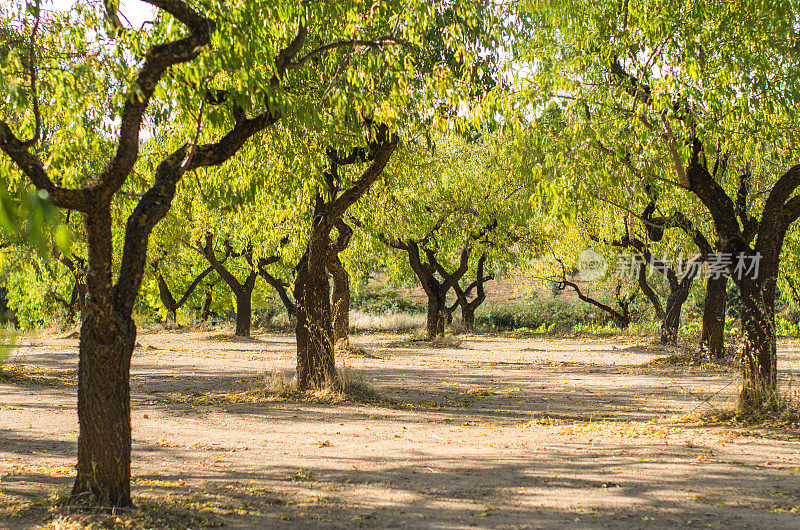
<point x="135" y="11"/>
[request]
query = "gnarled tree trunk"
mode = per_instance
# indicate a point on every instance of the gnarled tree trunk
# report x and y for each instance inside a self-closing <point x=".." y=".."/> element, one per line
<point x="316" y="365"/>
<point x="340" y="302"/>
<point x="243" y="291"/>
<point x="108" y="332"/>
<point x="736" y="228"/>
<point x="436" y="316"/>
<point x="340" y="295"/>
<point x="759" y="356"/>
<point x="168" y="299"/>
<point x="672" y="316"/>
<point x="205" y="311"/>
<point x="468" y="307"/>
<point x="281" y="287"/>
<point x="712" y="336"/>
<point x="315" y="353"/>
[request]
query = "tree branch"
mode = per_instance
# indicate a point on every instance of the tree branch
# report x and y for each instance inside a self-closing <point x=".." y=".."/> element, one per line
<point x="377" y="43"/>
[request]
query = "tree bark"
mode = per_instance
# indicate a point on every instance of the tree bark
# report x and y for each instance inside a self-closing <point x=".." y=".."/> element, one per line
<point x="340" y="295"/>
<point x="672" y="315"/>
<point x="468" y="317"/>
<point x="340" y="302"/>
<point x="244" y="312"/>
<point x="205" y="313"/>
<point x="468" y="307"/>
<point x="280" y="286"/>
<point x="759" y="359"/>
<point x="641" y="277"/>
<point x="108" y="335"/>
<point x="316" y="365"/>
<point x="712" y="337"/>
<point x="104" y="415"/>
<point x="167" y="299"/>
<point x="436" y="316"/>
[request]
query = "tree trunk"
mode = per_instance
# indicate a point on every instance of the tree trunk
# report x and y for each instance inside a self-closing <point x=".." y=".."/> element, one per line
<point x="74" y="303"/>
<point x="104" y="443"/>
<point x="468" y="307"/>
<point x="641" y="276"/>
<point x="242" y="291"/>
<point x="244" y="312"/>
<point x="340" y="302"/>
<point x="672" y="315"/>
<point x="712" y="337"/>
<point x="316" y="367"/>
<point x="108" y="335"/>
<point x="759" y="358"/>
<point x="206" y="311"/>
<point x="315" y="354"/>
<point x="168" y="300"/>
<point x="436" y="316"/>
<point x="468" y="317"/>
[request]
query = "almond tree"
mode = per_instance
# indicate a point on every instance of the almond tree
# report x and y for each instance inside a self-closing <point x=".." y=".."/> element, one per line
<point x="670" y="93"/>
<point x="172" y="80"/>
<point x="450" y="213"/>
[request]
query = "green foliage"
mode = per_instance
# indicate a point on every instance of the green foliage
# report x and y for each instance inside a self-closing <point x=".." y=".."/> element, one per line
<point x="383" y="300"/>
<point x="540" y="314"/>
<point x="451" y="195"/>
<point x="37" y="288"/>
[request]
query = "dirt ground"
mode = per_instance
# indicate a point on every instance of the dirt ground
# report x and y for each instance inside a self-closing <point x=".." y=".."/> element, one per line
<point x="489" y="431"/>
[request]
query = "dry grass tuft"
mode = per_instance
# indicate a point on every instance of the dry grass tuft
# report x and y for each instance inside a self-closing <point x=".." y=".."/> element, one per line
<point x="395" y="322"/>
<point x="354" y="350"/>
<point x="282" y="386"/>
<point x="780" y="421"/>
<point x="695" y="359"/>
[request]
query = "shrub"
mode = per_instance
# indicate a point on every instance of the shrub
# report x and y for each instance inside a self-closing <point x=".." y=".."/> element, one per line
<point x="384" y="300"/>
<point x="540" y="314"/>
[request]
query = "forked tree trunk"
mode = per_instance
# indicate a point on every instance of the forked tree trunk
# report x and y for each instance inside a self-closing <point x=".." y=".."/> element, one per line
<point x="340" y="302"/>
<point x="243" y="291"/>
<point x="712" y="337"/>
<point x="436" y="316"/>
<point x="168" y="299"/>
<point x="315" y="353"/>
<point x="468" y="307"/>
<point x="672" y="315"/>
<point x="780" y="210"/>
<point x="108" y="333"/>
<point x="281" y="287"/>
<point x="468" y="317"/>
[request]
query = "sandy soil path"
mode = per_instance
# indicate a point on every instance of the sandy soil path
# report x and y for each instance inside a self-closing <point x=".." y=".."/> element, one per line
<point x="494" y="432"/>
